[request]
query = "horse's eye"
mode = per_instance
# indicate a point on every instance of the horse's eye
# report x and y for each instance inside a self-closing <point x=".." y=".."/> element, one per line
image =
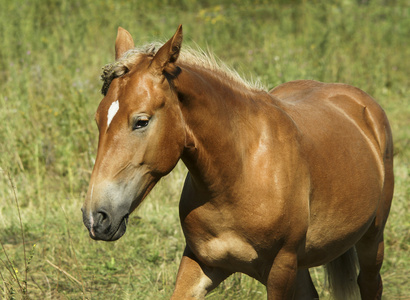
<point x="140" y="123"/>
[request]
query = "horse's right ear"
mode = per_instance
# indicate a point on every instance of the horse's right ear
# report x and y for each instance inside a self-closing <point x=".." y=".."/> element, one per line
<point x="123" y="43"/>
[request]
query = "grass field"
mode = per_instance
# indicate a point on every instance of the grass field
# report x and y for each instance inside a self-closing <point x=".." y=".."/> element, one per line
<point x="51" y="56"/>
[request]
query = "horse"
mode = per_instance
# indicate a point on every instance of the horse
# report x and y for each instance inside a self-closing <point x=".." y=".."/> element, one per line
<point x="278" y="181"/>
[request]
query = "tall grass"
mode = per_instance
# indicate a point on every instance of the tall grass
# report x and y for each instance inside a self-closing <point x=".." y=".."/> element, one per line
<point x="50" y="58"/>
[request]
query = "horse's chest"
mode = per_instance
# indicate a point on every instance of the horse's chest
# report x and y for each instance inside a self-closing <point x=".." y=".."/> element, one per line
<point x="227" y="250"/>
<point x="213" y="237"/>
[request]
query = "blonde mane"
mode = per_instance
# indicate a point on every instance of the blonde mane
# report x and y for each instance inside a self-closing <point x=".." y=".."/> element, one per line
<point x="189" y="56"/>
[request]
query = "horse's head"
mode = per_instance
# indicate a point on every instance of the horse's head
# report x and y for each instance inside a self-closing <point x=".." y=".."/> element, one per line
<point x="141" y="134"/>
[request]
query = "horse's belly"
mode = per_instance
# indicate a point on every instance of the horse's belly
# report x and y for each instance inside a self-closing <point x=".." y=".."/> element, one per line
<point x="333" y="231"/>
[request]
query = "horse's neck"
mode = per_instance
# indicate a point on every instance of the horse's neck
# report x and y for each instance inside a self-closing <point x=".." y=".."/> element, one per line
<point x="218" y="115"/>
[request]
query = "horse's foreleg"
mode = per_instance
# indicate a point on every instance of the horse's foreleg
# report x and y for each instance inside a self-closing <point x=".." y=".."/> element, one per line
<point x="194" y="280"/>
<point x="281" y="282"/>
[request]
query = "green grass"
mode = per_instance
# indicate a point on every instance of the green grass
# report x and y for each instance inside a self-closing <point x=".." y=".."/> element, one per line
<point x="50" y="60"/>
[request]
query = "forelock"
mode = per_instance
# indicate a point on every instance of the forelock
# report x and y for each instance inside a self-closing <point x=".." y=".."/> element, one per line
<point x="124" y="64"/>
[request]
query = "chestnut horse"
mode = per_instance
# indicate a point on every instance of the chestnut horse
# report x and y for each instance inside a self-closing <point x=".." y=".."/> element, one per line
<point x="278" y="181"/>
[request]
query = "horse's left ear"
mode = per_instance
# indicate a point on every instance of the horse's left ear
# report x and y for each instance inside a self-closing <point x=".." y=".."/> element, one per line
<point x="168" y="53"/>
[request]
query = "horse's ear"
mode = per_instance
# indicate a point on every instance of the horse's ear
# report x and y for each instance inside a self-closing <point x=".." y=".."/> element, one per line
<point x="123" y="43"/>
<point x="168" y="53"/>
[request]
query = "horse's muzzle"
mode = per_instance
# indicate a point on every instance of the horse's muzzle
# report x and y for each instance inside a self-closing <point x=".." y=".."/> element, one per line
<point x="103" y="226"/>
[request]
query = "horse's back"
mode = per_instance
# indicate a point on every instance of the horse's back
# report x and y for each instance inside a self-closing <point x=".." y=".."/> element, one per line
<point x="313" y="101"/>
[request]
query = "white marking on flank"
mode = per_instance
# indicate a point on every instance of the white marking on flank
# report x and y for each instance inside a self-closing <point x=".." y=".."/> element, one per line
<point x="112" y="111"/>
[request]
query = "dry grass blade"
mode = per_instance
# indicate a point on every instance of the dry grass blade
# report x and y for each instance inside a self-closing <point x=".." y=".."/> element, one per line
<point x="64" y="272"/>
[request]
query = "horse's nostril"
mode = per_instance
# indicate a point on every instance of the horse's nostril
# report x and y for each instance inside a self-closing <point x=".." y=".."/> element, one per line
<point x="102" y="221"/>
<point x="104" y="216"/>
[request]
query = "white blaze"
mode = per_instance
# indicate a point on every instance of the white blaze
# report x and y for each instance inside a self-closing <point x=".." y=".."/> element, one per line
<point x="112" y="111"/>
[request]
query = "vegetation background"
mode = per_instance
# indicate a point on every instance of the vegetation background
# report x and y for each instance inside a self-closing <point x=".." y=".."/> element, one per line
<point x="51" y="54"/>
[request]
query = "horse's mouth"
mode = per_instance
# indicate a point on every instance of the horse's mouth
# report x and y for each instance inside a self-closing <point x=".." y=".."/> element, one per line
<point x="114" y="234"/>
<point x="121" y="229"/>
